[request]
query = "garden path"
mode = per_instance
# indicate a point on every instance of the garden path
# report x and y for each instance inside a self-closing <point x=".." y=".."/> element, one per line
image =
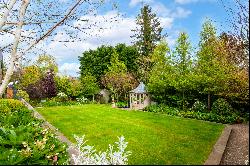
<point x="237" y="149"/>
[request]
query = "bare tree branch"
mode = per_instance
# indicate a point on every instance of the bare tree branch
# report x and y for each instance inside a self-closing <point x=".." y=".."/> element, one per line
<point x="6" y="13"/>
<point x="53" y="27"/>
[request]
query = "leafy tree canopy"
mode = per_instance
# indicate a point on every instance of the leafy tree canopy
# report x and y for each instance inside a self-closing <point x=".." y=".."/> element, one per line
<point x="96" y="62"/>
<point x="46" y="63"/>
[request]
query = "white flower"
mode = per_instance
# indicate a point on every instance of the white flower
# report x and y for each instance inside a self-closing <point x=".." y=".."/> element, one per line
<point x="81" y="100"/>
<point x="87" y="155"/>
<point x="61" y="94"/>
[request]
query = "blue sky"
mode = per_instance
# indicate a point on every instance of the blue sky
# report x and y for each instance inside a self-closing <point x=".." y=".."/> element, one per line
<point x="175" y="16"/>
<point x="189" y="20"/>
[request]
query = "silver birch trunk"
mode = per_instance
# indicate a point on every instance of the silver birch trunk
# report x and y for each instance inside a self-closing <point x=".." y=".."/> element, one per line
<point x="17" y="36"/>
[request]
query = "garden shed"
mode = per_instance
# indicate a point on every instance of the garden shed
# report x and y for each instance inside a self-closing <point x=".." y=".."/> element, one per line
<point x="139" y="98"/>
<point x="104" y="96"/>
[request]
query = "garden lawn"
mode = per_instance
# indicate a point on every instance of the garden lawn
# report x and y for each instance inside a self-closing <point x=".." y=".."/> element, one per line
<point x="152" y="138"/>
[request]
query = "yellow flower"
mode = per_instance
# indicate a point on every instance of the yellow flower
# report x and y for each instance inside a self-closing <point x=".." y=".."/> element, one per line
<point x="45" y="139"/>
<point x="26" y="152"/>
<point x="52" y="147"/>
<point x="40" y="144"/>
<point x="24" y="144"/>
<point x="45" y="131"/>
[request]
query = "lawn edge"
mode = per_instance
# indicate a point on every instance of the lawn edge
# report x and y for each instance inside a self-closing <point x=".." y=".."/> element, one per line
<point x="219" y="148"/>
<point x="71" y="149"/>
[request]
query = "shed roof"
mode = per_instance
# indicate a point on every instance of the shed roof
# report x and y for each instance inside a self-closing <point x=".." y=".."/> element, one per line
<point x="140" y="89"/>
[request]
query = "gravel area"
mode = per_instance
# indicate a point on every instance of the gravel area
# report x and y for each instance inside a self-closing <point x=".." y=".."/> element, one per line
<point x="237" y="149"/>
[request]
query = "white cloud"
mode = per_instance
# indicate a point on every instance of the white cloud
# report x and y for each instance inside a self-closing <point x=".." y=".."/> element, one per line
<point x="133" y="3"/>
<point x="181" y="13"/>
<point x="113" y="33"/>
<point x="69" y="69"/>
<point x="160" y="9"/>
<point x="166" y="22"/>
<point x="163" y="11"/>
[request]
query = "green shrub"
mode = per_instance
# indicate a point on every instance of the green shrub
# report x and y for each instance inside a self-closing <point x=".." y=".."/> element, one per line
<point x="9" y="105"/>
<point x="222" y="107"/>
<point x="121" y="104"/>
<point x="23" y="140"/>
<point x="170" y="110"/>
<point x="69" y="86"/>
<point x="23" y="94"/>
<point x="161" y="109"/>
<point x="30" y="145"/>
<point x="152" y="108"/>
<point x="207" y="116"/>
<point x="199" y="106"/>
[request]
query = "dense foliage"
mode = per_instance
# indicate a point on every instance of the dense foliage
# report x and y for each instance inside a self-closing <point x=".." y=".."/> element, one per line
<point x="198" y="112"/>
<point x="30" y="75"/>
<point x="24" y="141"/>
<point x="23" y="94"/>
<point x="117" y="79"/>
<point x="161" y="76"/>
<point x="222" y="107"/>
<point x="35" y="91"/>
<point x="95" y="62"/>
<point x="48" y="84"/>
<point x="43" y="88"/>
<point x="89" y="85"/>
<point x="37" y="79"/>
<point x="70" y="86"/>
<point x="215" y="71"/>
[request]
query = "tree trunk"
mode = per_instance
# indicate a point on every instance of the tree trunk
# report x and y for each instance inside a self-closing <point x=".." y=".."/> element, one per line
<point x="209" y="102"/>
<point x="14" y="58"/>
<point x="93" y="98"/>
<point x="117" y="97"/>
<point x="183" y="104"/>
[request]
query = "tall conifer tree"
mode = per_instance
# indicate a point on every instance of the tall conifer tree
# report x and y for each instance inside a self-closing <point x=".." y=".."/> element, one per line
<point x="146" y="36"/>
<point x="148" y="32"/>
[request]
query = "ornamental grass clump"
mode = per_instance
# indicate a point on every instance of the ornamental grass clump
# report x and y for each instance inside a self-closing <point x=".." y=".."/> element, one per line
<point x="88" y="155"/>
